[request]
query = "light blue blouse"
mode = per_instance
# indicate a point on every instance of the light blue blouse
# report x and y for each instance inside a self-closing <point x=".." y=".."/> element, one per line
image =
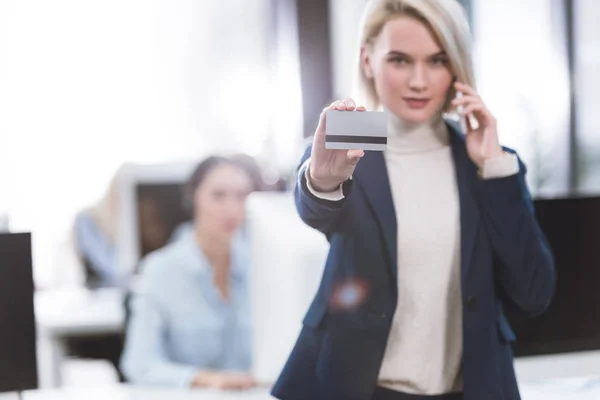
<point x="96" y="247"/>
<point x="179" y="322"/>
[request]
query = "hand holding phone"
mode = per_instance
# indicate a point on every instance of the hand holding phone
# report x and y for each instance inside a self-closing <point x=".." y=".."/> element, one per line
<point x="482" y="134"/>
<point x="465" y="120"/>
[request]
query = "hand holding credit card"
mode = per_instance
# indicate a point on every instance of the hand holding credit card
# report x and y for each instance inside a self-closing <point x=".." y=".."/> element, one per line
<point x="330" y="167"/>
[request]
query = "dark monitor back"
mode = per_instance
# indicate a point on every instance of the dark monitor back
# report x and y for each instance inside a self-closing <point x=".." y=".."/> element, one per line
<point x="160" y="211"/>
<point x="18" y="368"/>
<point x="572" y="322"/>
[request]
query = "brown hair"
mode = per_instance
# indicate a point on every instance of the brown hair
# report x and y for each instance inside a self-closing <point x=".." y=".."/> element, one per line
<point x="199" y="174"/>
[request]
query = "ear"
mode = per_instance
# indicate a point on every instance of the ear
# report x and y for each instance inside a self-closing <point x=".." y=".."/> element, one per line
<point x="365" y="61"/>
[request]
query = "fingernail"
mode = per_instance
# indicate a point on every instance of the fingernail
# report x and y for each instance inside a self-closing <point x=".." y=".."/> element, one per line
<point x="351" y="104"/>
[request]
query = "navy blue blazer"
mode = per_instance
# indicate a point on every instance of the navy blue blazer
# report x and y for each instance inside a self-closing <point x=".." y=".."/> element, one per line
<point x="505" y="263"/>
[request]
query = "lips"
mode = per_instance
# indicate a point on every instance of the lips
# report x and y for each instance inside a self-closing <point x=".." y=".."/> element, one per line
<point x="416" y="103"/>
<point x="230" y="226"/>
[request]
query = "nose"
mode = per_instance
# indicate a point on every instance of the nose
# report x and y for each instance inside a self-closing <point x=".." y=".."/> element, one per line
<point x="234" y="208"/>
<point x="418" y="78"/>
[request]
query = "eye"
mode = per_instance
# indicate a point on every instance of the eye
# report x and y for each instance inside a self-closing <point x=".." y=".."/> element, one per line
<point x="439" y="61"/>
<point x="398" y="60"/>
<point x="219" y="195"/>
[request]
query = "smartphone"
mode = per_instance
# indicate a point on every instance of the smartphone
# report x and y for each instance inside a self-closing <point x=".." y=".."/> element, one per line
<point x="472" y="121"/>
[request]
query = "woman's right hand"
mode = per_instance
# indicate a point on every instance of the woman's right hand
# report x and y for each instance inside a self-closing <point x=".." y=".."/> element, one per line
<point x="223" y="380"/>
<point x="330" y="168"/>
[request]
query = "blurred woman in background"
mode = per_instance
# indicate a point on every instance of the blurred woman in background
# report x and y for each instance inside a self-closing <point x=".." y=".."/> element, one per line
<point x="190" y="319"/>
<point x="94" y="244"/>
<point x="94" y="231"/>
<point x="95" y="234"/>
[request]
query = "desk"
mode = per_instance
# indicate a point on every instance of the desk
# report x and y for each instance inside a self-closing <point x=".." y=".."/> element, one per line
<point x="75" y="312"/>
<point x="547" y="391"/>
<point x="584" y="388"/>
<point x="140" y="393"/>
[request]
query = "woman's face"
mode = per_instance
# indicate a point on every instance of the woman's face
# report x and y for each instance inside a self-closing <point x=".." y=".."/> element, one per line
<point x="219" y="200"/>
<point x="410" y="70"/>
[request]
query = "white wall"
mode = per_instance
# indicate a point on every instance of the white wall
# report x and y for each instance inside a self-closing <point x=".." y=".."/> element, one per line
<point x="344" y="18"/>
<point x="523" y="77"/>
<point x="88" y="85"/>
<point x="587" y="33"/>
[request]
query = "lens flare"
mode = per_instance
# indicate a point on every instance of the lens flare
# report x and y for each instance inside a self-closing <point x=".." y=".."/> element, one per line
<point x="349" y="294"/>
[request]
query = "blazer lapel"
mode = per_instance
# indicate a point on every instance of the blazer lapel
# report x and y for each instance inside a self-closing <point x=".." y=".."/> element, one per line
<point x="469" y="211"/>
<point x="371" y="174"/>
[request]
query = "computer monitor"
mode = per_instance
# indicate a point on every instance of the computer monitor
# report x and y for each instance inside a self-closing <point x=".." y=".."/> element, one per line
<point x="150" y="209"/>
<point x="566" y="338"/>
<point x="159" y="212"/>
<point x="287" y="261"/>
<point x="18" y="368"/>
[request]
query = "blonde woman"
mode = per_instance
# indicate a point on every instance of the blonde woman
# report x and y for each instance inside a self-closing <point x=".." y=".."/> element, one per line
<point x="95" y="229"/>
<point x="430" y="240"/>
<point x="95" y="234"/>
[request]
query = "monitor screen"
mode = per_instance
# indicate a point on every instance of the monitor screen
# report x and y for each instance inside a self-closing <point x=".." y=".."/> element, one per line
<point x="287" y="261"/>
<point x="18" y="368"/>
<point x="572" y="322"/>
<point x="160" y="210"/>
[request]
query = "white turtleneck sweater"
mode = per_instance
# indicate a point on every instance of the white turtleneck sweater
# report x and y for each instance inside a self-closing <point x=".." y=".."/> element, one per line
<point x="425" y="344"/>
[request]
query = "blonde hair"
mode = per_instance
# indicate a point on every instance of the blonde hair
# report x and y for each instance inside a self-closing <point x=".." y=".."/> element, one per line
<point x="104" y="213"/>
<point x="447" y="21"/>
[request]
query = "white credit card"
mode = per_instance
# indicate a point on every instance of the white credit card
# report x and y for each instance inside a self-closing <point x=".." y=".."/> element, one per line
<point x="362" y="130"/>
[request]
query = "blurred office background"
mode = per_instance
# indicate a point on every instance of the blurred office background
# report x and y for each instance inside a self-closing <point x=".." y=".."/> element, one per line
<point x="89" y="89"/>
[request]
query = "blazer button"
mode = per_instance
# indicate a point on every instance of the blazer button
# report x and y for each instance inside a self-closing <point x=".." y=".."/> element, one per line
<point x="471" y="303"/>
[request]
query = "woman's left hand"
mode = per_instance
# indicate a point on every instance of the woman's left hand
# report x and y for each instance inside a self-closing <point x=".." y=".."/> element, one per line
<point x="482" y="141"/>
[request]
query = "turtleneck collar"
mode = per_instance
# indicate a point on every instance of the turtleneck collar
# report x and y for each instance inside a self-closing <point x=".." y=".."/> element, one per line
<point x="409" y="138"/>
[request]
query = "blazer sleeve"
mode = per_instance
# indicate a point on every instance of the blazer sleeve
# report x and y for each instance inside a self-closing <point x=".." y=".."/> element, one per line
<point x="319" y="213"/>
<point x="524" y="261"/>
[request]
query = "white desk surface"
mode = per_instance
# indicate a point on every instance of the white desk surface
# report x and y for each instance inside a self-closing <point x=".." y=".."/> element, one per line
<point x="142" y="393"/>
<point x="585" y="388"/>
<point x="72" y="312"/>
<point x="573" y="390"/>
<point x="79" y="311"/>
